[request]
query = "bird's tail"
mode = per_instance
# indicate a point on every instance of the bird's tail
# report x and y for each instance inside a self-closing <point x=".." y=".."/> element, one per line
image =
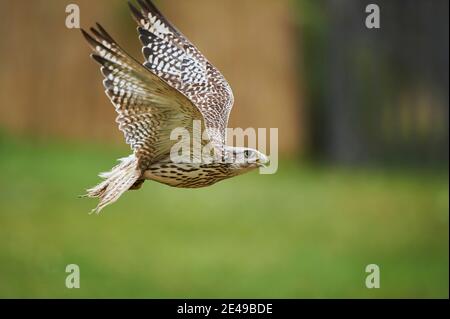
<point x="116" y="182"/>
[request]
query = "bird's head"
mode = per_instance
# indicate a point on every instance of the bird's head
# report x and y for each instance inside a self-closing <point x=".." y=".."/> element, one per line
<point x="242" y="159"/>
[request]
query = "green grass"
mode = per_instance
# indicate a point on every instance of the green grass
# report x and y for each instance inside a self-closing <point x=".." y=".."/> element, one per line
<point x="303" y="232"/>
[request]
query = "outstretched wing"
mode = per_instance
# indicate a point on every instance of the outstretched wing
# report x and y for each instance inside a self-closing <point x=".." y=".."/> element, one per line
<point x="171" y="56"/>
<point x="148" y="108"/>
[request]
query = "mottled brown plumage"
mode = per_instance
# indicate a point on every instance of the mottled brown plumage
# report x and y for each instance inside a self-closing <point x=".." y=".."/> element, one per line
<point x="174" y="87"/>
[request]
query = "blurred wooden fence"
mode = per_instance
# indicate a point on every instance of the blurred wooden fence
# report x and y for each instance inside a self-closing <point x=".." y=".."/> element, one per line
<point x="50" y="87"/>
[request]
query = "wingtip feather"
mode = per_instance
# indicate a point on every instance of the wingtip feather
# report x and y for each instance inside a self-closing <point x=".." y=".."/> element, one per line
<point x="137" y="15"/>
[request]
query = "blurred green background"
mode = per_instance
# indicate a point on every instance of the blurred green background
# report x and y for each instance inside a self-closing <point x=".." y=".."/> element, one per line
<point x="363" y="173"/>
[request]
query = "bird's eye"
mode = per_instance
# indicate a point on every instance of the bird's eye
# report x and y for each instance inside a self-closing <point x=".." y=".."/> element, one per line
<point x="246" y="154"/>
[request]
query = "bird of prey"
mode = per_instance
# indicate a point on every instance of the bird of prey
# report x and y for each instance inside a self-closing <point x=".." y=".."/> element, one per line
<point x="175" y="86"/>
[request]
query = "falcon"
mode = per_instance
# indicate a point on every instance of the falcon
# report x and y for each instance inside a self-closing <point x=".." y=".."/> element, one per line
<point x="175" y="87"/>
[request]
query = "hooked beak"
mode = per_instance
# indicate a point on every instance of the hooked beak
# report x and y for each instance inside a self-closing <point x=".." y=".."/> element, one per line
<point x="263" y="161"/>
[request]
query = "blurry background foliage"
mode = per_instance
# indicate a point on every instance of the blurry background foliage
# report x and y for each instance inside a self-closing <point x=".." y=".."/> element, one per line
<point x="363" y="175"/>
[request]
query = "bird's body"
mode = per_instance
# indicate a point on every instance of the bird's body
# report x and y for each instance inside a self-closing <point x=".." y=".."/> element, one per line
<point x="175" y="87"/>
<point x="187" y="175"/>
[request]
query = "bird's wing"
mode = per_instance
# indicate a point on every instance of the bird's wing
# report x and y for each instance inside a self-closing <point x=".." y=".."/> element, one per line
<point x="171" y="56"/>
<point x="148" y="108"/>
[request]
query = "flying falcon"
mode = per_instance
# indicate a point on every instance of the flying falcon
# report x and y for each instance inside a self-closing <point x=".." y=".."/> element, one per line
<point x="175" y="87"/>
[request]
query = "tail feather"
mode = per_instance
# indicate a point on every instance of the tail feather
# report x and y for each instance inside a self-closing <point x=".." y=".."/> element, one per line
<point x="116" y="182"/>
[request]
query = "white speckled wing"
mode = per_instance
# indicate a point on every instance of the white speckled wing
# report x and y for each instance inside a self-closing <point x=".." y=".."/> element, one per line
<point x="148" y="108"/>
<point x="172" y="57"/>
